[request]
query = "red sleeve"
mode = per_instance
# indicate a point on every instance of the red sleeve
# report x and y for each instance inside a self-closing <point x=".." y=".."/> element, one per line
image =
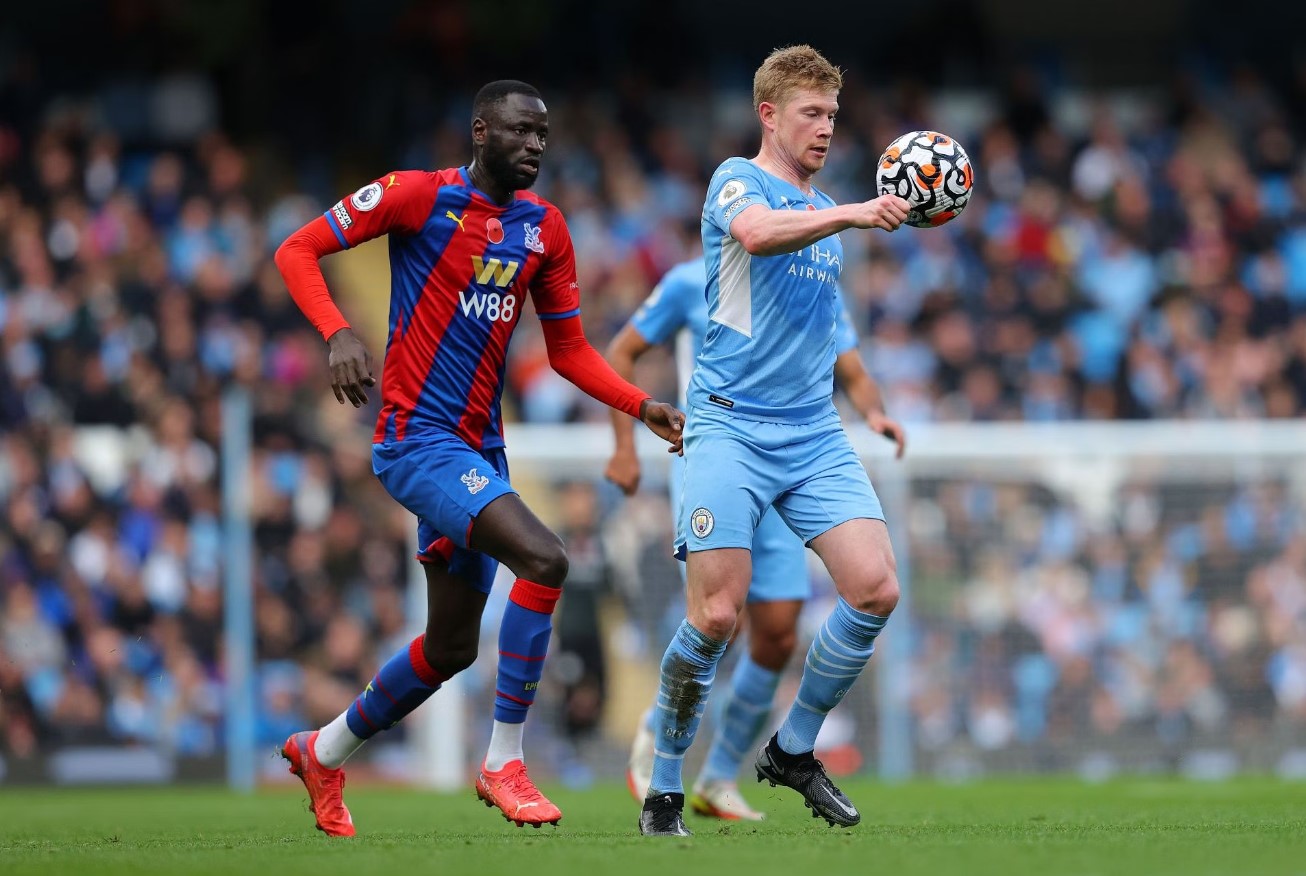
<point x="555" y="290"/>
<point x="297" y="260"/>
<point x="398" y="202"/>
<point x="571" y="355"/>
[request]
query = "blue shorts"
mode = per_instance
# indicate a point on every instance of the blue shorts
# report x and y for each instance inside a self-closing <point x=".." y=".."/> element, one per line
<point x="736" y="468"/>
<point x="779" y="558"/>
<point x="446" y="484"/>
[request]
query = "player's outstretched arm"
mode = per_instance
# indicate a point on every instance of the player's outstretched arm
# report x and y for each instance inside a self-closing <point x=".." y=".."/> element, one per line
<point x="571" y="355"/>
<point x="622" y="353"/>
<point x="763" y="231"/>
<point x="862" y="390"/>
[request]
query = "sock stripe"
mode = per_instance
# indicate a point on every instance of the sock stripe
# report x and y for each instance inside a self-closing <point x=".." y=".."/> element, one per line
<point x="829" y="661"/>
<point x="809" y="707"/>
<point x="424" y="670"/>
<point x="824" y="660"/>
<point x="358" y="706"/>
<point x="381" y="688"/>
<point x="832" y="674"/>
<point x="534" y="597"/>
<point x="823" y="633"/>
<point x="664" y="756"/>
<point x="668" y="707"/>
<point x="837" y="648"/>
<point x="499" y="693"/>
<point x="521" y="656"/>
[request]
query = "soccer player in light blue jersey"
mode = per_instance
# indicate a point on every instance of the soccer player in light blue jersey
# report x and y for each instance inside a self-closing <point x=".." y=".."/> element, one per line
<point x="677" y="308"/>
<point x="762" y="431"/>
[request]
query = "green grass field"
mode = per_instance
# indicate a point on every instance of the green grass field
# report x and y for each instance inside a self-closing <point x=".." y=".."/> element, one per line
<point x="1039" y="826"/>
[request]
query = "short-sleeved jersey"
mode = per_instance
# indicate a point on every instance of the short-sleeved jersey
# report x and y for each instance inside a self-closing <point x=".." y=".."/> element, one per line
<point x="769" y="351"/>
<point x="677" y="307"/>
<point x="460" y="269"/>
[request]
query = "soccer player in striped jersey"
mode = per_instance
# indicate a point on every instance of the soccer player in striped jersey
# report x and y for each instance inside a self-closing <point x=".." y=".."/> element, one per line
<point x="467" y="246"/>
<point x="763" y="432"/>
<point x="677" y="308"/>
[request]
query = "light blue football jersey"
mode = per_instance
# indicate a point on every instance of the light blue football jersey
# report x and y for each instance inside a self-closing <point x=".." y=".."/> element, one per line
<point x="769" y="350"/>
<point x="677" y="307"/>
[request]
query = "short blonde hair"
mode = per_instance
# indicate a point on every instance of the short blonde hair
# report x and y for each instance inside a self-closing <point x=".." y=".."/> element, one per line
<point x="790" y="69"/>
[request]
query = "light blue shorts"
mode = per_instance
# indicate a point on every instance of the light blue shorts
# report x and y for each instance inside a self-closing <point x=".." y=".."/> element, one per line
<point x="779" y="558"/>
<point x="736" y="468"/>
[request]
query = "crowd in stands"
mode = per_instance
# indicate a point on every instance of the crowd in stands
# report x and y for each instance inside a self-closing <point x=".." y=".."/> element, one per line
<point x="1118" y="261"/>
<point x="1175" y="627"/>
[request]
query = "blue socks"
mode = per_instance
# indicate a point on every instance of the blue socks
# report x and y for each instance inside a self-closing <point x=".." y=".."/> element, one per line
<point x="688" y="669"/>
<point x="402" y="684"/>
<point x="752" y="688"/>
<point x="523" y="643"/>
<point x="835" y="660"/>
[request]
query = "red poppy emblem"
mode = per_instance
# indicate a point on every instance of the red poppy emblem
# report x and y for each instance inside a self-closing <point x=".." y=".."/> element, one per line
<point x="494" y="230"/>
<point x="811" y="206"/>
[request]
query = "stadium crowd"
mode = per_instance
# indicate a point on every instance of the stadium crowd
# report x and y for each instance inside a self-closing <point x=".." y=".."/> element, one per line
<point x="1148" y="261"/>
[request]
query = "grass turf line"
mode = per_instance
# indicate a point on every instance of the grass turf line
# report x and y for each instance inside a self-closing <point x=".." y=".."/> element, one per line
<point x="1043" y="826"/>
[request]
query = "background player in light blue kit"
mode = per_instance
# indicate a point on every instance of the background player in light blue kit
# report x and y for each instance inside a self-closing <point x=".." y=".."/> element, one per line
<point x="763" y="431"/>
<point x="677" y="308"/>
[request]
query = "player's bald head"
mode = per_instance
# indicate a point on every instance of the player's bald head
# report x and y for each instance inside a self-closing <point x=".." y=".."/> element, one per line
<point x="489" y="100"/>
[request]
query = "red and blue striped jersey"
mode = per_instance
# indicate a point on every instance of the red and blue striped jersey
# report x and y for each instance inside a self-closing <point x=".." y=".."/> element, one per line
<point x="460" y="269"/>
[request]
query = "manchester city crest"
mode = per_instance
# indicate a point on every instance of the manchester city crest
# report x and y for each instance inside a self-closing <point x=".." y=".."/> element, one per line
<point x="702" y="521"/>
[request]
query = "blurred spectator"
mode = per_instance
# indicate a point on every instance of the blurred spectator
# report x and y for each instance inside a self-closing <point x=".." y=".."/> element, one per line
<point x="1151" y="631"/>
<point x="577" y="658"/>
<point x="1149" y="265"/>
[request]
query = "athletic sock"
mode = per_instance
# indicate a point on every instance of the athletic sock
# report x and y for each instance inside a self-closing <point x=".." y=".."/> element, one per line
<point x="505" y="746"/>
<point x="743" y="716"/>
<point x="402" y="684"/>
<point x="688" y="668"/>
<point x="836" y="658"/>
<point x="523" y="644"/>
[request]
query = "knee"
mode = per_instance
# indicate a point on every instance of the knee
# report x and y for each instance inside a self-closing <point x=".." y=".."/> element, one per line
<point x="885" y="599"/>
<point x="773" y="648"/>
<point x="876" y="591"/>
<point x="715" y="619"/>
<point x="449" y="658"/>
<point x="546" y="563"/>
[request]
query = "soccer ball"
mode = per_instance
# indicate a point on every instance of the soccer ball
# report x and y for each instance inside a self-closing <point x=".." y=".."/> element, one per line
<point x="931" y="172"/>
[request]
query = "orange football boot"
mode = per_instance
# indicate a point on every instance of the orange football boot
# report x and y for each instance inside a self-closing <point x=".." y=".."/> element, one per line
<point x="324" y="785"/>
<point x="516" y="795"/>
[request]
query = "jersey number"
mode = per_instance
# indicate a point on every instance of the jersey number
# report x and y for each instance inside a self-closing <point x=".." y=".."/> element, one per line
<point x="492" y="306"/>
